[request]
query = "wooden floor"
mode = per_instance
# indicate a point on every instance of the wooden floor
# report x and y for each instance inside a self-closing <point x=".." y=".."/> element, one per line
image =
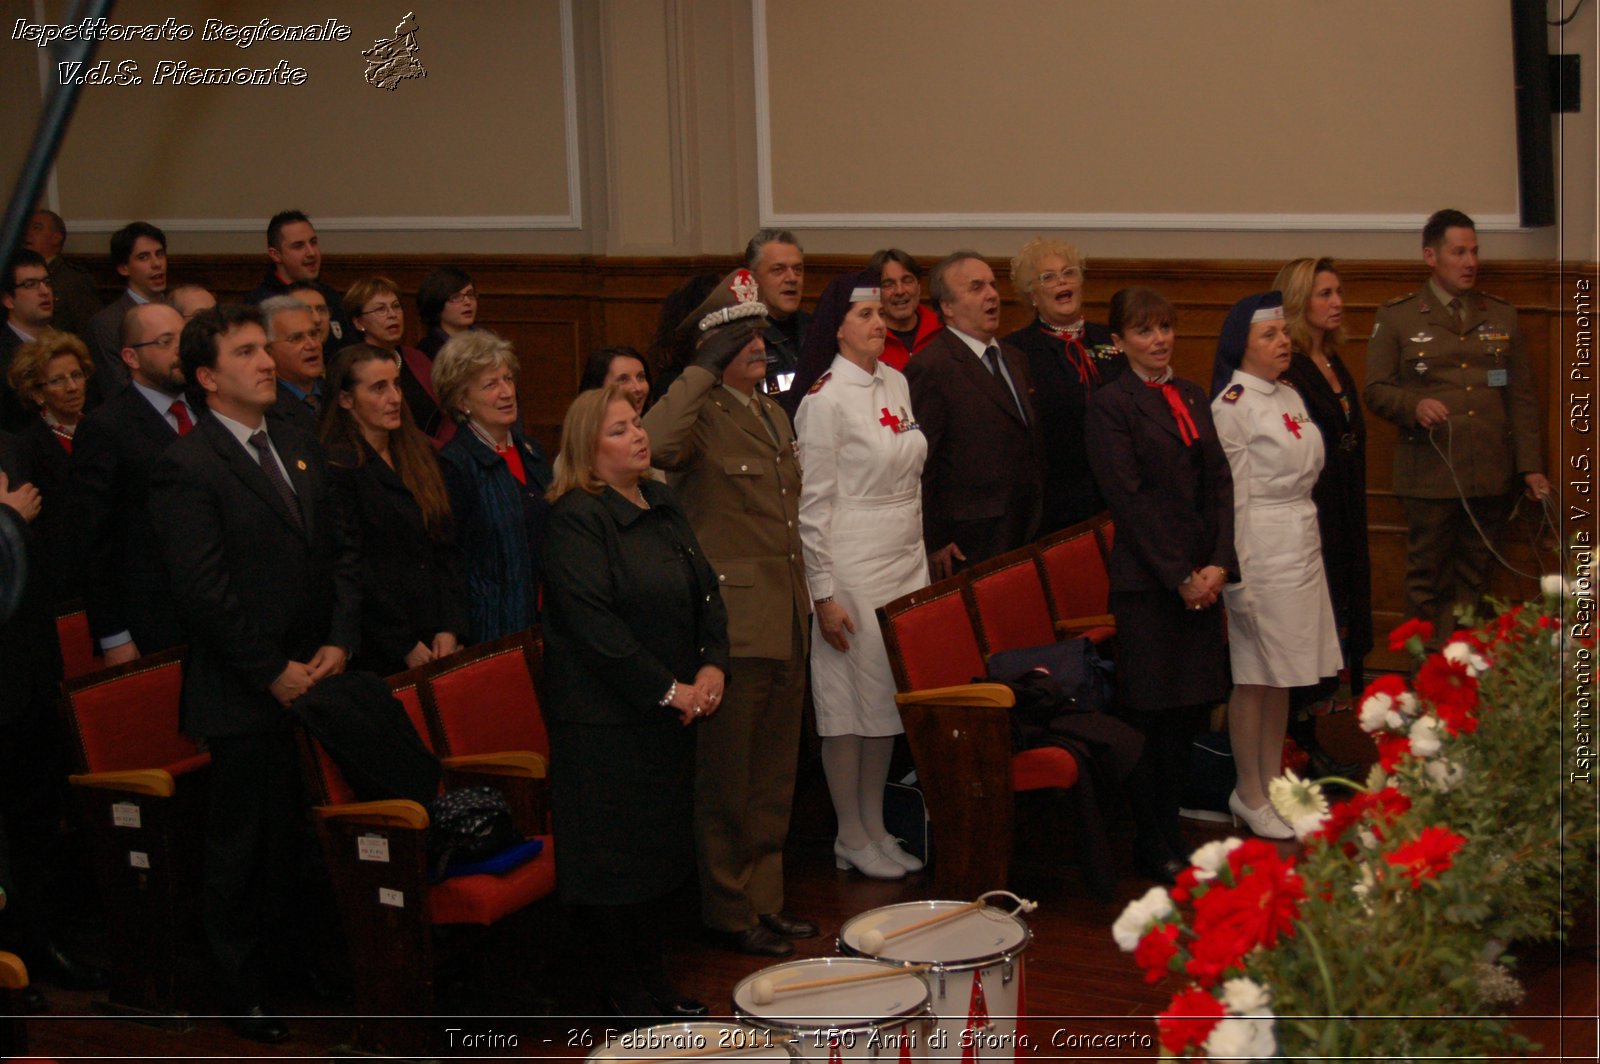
<point x="1078" y="985"/>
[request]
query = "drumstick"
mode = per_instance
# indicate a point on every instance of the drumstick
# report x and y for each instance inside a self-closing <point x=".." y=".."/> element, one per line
<point x="872" y="941"/>
<point x="763" y="990"/>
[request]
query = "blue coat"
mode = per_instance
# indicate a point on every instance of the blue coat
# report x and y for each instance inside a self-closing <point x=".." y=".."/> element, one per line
<point x="499" y="524"/>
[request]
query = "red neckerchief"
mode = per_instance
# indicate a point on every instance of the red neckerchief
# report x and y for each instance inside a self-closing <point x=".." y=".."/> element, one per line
<point x="1071" y="337"/>
<point x="1180" y="412"/>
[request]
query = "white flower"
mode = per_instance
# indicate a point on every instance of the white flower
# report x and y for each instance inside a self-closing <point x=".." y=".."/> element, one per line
<point x="1444" y="774"/>
<point x="1425" y="737"/>
<point x="1242" y="1038"/>
<point x="1408" y="704"/>
<point x="1461" y="653"/>
<point x="1210" y="859"/>
<point x="1367" y="838"/>
<point x="1138" y="916"/>
<point x="1369" y="882"/>
<point x="1554" y="584"/>
<point x="1375" y="712"/>
<point x="1245" y="997"/>
<point x="1300" y="803"/>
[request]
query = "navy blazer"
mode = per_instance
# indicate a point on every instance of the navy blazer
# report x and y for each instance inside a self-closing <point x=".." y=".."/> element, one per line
<point x="499" y="525"/>
<point x="1172" y="504"/>
<point x="125" y="583"/>
<point x="255" y="589"/>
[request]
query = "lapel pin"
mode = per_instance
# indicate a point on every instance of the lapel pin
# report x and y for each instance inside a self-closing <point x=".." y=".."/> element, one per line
<point x="301" y="465"/>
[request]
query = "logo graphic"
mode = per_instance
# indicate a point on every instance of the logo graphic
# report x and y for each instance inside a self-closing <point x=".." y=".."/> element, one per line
<point x="391" y="61"/>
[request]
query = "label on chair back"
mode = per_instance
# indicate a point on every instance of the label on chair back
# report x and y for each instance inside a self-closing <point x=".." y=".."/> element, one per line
<point x="125" y="815"/>
<point x="391" y="897"/>
<point x="138" y="860"/>
<point x="372" y="848"/>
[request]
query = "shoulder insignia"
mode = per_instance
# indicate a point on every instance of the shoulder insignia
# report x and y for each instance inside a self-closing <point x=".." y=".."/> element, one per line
<point x="1233" y="393"/>
<point x="1397" y="300"/>
<point x="817" y="387"/>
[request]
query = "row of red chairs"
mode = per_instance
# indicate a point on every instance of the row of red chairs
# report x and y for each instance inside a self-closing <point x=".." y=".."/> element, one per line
<point x="958" y="727"/>
<point x="141" y="789"/>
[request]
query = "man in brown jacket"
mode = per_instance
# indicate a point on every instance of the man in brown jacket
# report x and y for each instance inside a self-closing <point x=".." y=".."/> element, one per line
<point x="1447" y="365"/>
<point x="729" y="450"/>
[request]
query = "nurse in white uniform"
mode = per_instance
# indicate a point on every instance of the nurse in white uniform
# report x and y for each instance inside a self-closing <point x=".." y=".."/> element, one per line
<point x="861" y="456"/>
<point x="1281" y="630"/>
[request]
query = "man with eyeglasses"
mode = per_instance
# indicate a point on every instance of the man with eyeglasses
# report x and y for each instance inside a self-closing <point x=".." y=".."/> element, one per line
<point x="296" y="256"/>
<point x="139" y="252"/>
<point x="77" y="297"/>
<point x="296" y="351"/>
<point x="127" y="592"/>
<point x="29" y="300"/>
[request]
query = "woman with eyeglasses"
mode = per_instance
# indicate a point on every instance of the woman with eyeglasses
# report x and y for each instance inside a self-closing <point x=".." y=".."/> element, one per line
<point x="1068" y="358"/>
<point x="374" y="308"/>
<point x="52" y="375"/>
<point x="447" y="302"/>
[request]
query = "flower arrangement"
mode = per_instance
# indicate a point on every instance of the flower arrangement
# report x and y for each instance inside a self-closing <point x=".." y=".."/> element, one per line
<point x="1385" y="935"/>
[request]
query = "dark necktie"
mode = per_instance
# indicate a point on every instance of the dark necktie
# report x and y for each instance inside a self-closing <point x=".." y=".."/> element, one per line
<point x="180" y="413"/>
<point x="269" y="466"/>
<point x="1455" y="309"/>
<point x="991" y="358"/>
<point x="314" y="401"/>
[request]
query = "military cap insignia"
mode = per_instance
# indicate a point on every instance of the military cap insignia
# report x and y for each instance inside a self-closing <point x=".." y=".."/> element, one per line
<point x="1233" y="393"/>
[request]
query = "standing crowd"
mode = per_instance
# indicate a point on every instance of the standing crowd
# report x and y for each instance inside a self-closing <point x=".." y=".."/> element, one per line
<point x="289" y="490"/>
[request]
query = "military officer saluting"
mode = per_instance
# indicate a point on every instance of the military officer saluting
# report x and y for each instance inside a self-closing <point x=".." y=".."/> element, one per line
<point x="1447" y="365"/>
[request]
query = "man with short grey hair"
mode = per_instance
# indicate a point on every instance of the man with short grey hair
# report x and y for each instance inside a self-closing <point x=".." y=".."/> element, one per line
<point x="778" y="263"/>
<point x="296" y="349"/>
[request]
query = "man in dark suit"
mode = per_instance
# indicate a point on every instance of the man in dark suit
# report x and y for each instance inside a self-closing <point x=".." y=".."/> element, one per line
<point x="266" y="584"/>
<point x="139" y="252"/>
<point x="77" y="296"/>
<point x="126" y="591"/>
<point x="29" y="302"/>
<point x="292" y="341"/>
<point x="296" y="256"/>
<point x="983" y="483"/>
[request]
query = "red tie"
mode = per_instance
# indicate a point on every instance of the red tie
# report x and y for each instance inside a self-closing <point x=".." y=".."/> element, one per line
<point x="181" y="412"/>
<point x="1180" y="413"/>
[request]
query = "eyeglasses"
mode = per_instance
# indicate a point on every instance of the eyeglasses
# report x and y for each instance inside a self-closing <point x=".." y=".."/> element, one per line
<point x="77" y="376"/>
<point x="463" y="296"/>
<point x="385" y="309"/>
<point x="34" y="282"/>
<point x="165" y="340"/>
<point x="1057" y="276"/>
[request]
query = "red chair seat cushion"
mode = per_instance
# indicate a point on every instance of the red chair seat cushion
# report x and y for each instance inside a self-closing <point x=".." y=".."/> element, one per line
<point x="180" y="769"/>
<point x="1099" y="635"/>
<point x="1047" y="766"/>
<point x="485" y="899"/>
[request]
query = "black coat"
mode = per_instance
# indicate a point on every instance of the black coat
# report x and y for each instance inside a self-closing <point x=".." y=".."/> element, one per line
<point x="125" y="583"/>
<point x="631" y="605"/>
<point x="982" y="485"/>
<point x="424" y="411"/>
<point x="1061" y="398"/>
<point x="30" y="659"/>
<point x="1173" y="511"/>
<point x="50" y="469"/>
<point x="254" y="588"/>
<point x="291" y="411"/>
<point x="411" y="584"/>
<point x="1341" y="499"/>
<point x="15" y="410"/>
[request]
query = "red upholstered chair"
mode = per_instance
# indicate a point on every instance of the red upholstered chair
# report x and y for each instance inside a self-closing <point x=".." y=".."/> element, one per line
<point x="141" y="789"/>
<point x="78" y="657"/>
<point x="377" y="857"/>
<point x="483" y="706"/>
<point x="1073" y="566"/>
<point x="960" y="735"/>
<point x="1009" y="607"/>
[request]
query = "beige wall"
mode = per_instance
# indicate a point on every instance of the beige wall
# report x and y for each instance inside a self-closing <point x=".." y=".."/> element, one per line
<point x="1149" y="128"/>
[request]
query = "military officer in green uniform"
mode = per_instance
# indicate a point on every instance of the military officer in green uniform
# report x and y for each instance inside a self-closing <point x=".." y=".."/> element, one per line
<point x="1447" y="365"/>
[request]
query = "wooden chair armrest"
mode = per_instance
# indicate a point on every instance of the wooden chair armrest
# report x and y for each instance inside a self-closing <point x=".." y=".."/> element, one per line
<point x="391" y="813"/>
<point x="502" y="763"/>
<point x="13" y="973"/>
<point x="156" y="782"/>
<point x="1083" y="624"/>
<point x="992" y="695"/>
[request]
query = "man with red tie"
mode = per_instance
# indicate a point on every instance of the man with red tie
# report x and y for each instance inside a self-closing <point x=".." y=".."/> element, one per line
<point x="127" y="593"/>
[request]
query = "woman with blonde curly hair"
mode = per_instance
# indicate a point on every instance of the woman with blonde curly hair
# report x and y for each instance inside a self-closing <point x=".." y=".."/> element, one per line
<point x="1068" y="358"/>
<point x="51" y="375"/>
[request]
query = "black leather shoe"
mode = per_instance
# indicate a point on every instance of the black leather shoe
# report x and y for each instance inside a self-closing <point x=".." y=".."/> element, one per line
<point x="59" y="969"/>
<point x="31" y="1000"/>
<point x="788" y="925"/>
<point x="755" y="940"/>
<point x="255" y="1024"/>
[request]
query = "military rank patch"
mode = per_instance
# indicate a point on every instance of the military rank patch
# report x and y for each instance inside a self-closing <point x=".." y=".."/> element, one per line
<point x="817" y="387"/>
<point x="1233" y="393"/>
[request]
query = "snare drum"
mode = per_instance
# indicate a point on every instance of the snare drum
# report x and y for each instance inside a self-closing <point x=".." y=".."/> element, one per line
<point x="717" y="1041"/>
<point x="885" y="1019"/>
<point x="977" y="973"/>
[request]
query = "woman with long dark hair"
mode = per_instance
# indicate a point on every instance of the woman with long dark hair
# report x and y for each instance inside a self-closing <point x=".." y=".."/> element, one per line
<point x="386" y="478"/>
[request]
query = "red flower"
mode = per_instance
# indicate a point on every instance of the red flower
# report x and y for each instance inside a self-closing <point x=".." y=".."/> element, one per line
<point x="1382" y="807"/>
<point x="1188" y="1020"/>
<point x="1294" y="758"/>
<point x="1155" y="951"/>
<point x="1453" y="693"/>
<point x="1413" y="628"/>
<point x="1391" y="748"/>
<point x="1428" y="855"/>
<point x="1260" y="906"/>
<point x="1222" y="947"/>
<point x="1390" y="683"/>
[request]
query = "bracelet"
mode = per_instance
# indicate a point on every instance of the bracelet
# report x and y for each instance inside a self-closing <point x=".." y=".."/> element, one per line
<point x="670" y="695"/>
<point x="822" y="601"/>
